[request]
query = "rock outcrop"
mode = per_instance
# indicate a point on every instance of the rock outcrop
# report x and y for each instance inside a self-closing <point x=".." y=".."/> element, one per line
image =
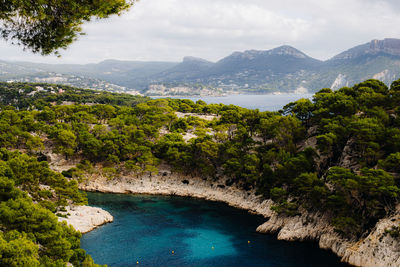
<point x="349" y="157"/>
<point x="85" y="219"/>
<point x="167" y="183"/>
<point x="378" y="249"/>
<point x="340" y="81"/>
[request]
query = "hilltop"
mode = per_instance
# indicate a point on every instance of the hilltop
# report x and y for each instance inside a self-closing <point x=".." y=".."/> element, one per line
<point x="283" y="69"/>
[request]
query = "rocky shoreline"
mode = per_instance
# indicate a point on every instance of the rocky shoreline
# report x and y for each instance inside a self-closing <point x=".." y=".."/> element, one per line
<point x="376" y="250"/>
<point x="84" y="218"/>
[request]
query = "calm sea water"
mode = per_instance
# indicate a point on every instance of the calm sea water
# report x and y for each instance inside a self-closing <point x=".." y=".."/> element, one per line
<point x="268" y="102"/>
<point x="176" y="231"/>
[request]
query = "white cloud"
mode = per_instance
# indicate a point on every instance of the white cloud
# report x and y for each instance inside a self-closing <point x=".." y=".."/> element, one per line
<point x="212" y="29"/>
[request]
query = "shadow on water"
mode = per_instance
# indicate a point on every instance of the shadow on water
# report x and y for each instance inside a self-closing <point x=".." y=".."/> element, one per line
<point x="177" y="231"/>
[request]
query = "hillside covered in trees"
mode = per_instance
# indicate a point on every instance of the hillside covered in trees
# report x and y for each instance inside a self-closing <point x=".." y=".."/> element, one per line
<point x="32" y="195"/>
<point x="338" y="154"/>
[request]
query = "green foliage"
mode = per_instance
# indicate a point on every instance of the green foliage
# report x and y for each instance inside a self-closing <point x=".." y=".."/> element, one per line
<point x="66" y="142"/>
<point x="364" y="198"/>
<point x="28" y="173"/>
<point x="16" y="249"/>
<point x="25" y="225"/>
<point x="278" y="194"/>
<point x="179" y="126"/>
<point x="309" y="186"/>
<point x="377" y="86"/>
<point x="302" y="109"/>
<point x="326" y="141"/>
<point x="328" y="105"/>
<point x="391" y="163"/>
<point x="265" y="151"/>
<point x="346" y="226"/>
<point x="109" y="172"/>
<point x="47" y="26"/>
<point x="88" y="262"/>
<point x="289" y="169"/>
<point x="286" y="208"/>
<point x="43" y="96"/>
<point x="394" y="231"/>
<point x="394" y="92"/>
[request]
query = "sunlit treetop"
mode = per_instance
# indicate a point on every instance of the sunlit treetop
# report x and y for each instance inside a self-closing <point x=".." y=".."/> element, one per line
<point x="46" y="26"/>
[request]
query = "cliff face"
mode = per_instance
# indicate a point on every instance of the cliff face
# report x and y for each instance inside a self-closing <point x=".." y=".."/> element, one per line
<point x="389" y="46"/>
<point x="375" y="250"/>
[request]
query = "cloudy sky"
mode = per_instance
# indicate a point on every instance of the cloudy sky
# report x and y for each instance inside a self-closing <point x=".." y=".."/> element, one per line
<point x="168" y="30"/>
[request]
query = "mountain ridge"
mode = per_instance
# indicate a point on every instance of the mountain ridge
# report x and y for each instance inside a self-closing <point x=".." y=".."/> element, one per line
<point x="389" y="46"/>
<point x="283" y="69"/>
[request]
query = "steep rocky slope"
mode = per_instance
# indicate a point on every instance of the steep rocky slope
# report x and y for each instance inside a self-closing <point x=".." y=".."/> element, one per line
<point x="377" y="249"/>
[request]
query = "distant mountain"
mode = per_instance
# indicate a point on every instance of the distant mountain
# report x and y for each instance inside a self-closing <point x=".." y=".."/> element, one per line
<point x="188" y="70"/>
<point x="129" y="74"/>
<point x="389" y="47"/>
<point x="284" y="69"/>
<point x="250" y="70"/>
<point x="261" y="69"/>
<point x="378" y="59"/>
<point x="132" y="74"/>
<point x="284" y="59"/>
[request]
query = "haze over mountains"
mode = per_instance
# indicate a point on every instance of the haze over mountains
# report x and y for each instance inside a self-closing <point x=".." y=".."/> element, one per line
<point x="283" y="69"/>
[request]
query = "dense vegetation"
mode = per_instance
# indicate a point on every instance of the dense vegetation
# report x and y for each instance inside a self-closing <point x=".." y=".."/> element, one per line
<point x="338" y="154"/>
<point x="39" y="95"/>
<point x="31" y="194"/>
<point x="47" y="26"/>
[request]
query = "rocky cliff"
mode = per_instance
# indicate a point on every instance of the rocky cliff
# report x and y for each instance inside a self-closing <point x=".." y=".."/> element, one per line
<point x="375" y="250"/>
<point x="378" y="249"/>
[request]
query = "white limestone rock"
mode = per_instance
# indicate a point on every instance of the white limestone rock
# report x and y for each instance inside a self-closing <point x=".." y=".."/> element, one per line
<point x="84" y="218"/>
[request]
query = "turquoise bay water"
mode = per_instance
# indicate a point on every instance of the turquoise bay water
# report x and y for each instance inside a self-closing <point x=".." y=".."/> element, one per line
<point x="176" y="231"/>
<point x="268" y="102"/>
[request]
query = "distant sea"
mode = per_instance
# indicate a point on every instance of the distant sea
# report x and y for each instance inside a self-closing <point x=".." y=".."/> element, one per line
<point x="270" y="102"/>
